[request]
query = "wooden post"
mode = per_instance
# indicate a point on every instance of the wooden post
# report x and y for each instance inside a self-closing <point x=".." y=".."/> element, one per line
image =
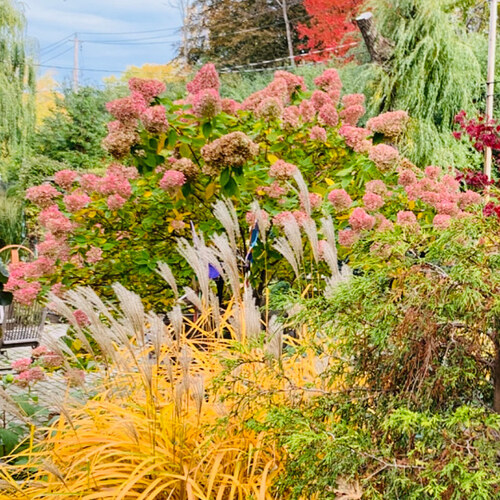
<point x="380" y="48"/>
<point x="490" y="84"/>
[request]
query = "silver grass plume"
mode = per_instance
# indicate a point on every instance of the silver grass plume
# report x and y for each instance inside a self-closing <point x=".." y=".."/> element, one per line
<point x="228" y="261"/>
<point x="261" y="223"/>
<point x="198" y="391"/>
<point x="166" y="273"/>
<point x="274" y="338"/>
<point x="283" y="247"/>
<point x="304" y="192"/>
<point x="294" y="236"/>
<point x="225" y="213"/>
<point x="215" y="308"/>
<point x="132" y="308"/>
<point x="196" y="258"/>
<point x="192" y="296"/>
<point x="330" y="253"/>
<point x="236" y="321"/>
<point x="252" y="314"/>
<point x="312" y="234"/>
<point x="176" y="321"/>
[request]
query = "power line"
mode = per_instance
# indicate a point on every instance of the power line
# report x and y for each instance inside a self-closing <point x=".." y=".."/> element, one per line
<point x="50" y="48"/>
<point x="86" y="69"/>
<point x="58" y="55"/>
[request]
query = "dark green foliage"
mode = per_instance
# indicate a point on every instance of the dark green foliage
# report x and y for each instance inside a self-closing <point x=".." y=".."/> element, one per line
<point x="74" y="132"/>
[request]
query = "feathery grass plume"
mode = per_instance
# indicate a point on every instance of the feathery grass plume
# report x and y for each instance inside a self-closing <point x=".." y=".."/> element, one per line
<point x="251" y="314"/>
<point x="157" y="334"/>
<point x="198" y="391"/>
<point x="261" y="223"/>
<point x="192" y="296"/>
<point x="282" y="245"/>
<point x="10" y="407"/>
<point x="225" y="213"/>
<point x="176" y="321"/>
<point x="330" y="251"/>
<point x="274" y="338"/>
<point x="303" y="190"/>
<point x="166" y="273"/>
<point x="294" y="237"/>
<point x="228" y="262"/>
<point x="196" y="259"/>
<point x="236" y="321"/>
<point x="133" y="309"/>
<point x="312" y="234"/>
<point x="215" y="311"/>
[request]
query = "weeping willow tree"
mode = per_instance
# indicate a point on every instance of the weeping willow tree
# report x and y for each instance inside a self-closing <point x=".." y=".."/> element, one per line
<point x="17" y="82"/>
<point x="435" y="70"/>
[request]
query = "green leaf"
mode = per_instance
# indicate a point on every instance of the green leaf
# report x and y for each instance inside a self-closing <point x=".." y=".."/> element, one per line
<point x="172" y="138"/>
<point x="231" y="188"/>
<point x="225" y="175"/>
<point x="207" y="129"/>
<point x="9" y="440"/>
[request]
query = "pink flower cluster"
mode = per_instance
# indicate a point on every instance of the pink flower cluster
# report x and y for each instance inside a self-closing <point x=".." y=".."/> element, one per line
<point x="274" y="190"/>
<point x="378" y="187"/>
<point x="330" y="82"/>
<point x="373" y="201"/>
<point x="360" y="220"/>
<point x="128" y="109"/>
<point x="291" y="117"/>
<point x="42" y="195"/>
<point x="328" y="115"/>
<point x="282" y="218"/>
<point x="348" y="237"/>
<point x="32" y="375"/>
<point x="390" y="124"/>
<point x="54" y="247"/>
<point x="206" y="103"/>
<point x="307" y="111"/>
<point x="318" y="134"/>
<point x="315" y="201"/>
<point x="262" y="218"/>
<point x="89" y="182"/>
<point x="356" y="138"/>
<point x="94" y="255"/>
<point x="172" y="179"/>
<point x="206" y="78"/>
<point x="76" y="201"/>
<point x="20" y="365"/>
<point x="385" y="157"/>
<point x="53" y="220"/>
<point x="154" y="119"/>
<point x="282" y="170"/>
<point x="121" y="137"/>
<point x="270" y="108"/>
<point x="353" y="100"/>
<point x="115" y="202"/>
<point x="115" y="183"/>
<point x="294" y="83"/>
<point x="149" y="89"/>
<point x="82" y="320"/>
<point x="352" y="114"/>
<point x="320" y="99"/>
<point x="65" y="178"/>
<point x="340" y="199"/>
<point x="229" y="106"/>
<point x="24" y="292"/>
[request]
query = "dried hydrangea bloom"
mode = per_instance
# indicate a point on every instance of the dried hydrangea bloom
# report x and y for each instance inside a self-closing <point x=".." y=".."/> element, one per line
<point x="328" y="115"/>
<point x="348" y="237"/>
<point x="294" y="83"/>
<point x="282" y="170"/>
<point x="320" y="99"/>
<point x="291" y="117"/>
<point x="123" y="171"/>
<point x="127" y="109"/>
<point x="270" y="108"/>
<point x="317" y="134"/>
<point x="230" y="150"/>
<point x="406" y="177"/>
<point x="93" y="255"/>
<point x="206" y="78"/>
<point x="187" y="167"/>
<point x="154" y="120"/>
<point x="30" y="376"/>
<point x="356" y="138"/>
<point x="390" y="124"/>
<point x="329" y="81"/>
<point x="43" y="195"/>
<point x="230" y="106"/>
<point x="148" y="88"/>
<point x="307" y="110"/>
<point x="385" y="157"/>
<point x="373" y="201"/>
<point x="340" y="199"/>
<point x="206" y="104"/>
<point x="377" y="186"/>
<point x="353" y="100"/>
<point x="120" y="139"/>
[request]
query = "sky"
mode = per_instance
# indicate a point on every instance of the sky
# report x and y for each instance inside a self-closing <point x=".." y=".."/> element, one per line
<point x="52" y="23"/>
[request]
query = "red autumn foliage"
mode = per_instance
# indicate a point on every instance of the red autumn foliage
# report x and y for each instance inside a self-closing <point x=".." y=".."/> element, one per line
<point x="330" y="26"/>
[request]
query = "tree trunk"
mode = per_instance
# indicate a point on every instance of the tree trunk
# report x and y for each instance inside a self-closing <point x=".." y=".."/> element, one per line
<point x="380" y="48"/>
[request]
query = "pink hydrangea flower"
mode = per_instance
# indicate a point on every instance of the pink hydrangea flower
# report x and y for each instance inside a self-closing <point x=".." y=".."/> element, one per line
<point x="447" y="208"/>
<point x="51" y="360"/>
<point x="315" y="201"/>
<point x="206" y="78"/>
<point x="353" y="100"/>
<point x="441" y="221"/>
<point x="42" y="195"/>
<point x="230" y="106"/>
<point x="320" y="99"/>
<point x="318" y="134"/>
<point x="270" y="108"/>
<point x="122" y="171"/>
<point x="275" y="190"/>
<point x="58" y="289"/>
<point x="433" y="172"/>
<point x="301" y="217"/>
<point x="41" y="350"/>
<point x="307" y="110"/>
<point x="19" y="365"/>
<point x="82" y="320"/>
<point x="32" y="375"/>
<point x="340" y="199"/>
<point x="383" y="224"/>
<point x="377" y="186"/>
<point x="172" y="179"/>
<point x="406" y="178"/>
<point x="127" y="109"/>
<point x="121" y="137"/>
<point x="469" y="198"/>
<point x="90" y="182"/>
<point x="27" y="294"/>
<point x="94" y="255"/>
<point x="328" y="115"/>
<point x="154" y="119"/>
<point x="293" y="82"/>
<point x="329" y="81"/>
<point x="385" y="157"/>
<point x="65" y="178"/>
<point x="52" y="219"/>
<point x="407" y="219"/>
<point x="360" y="220"/>
<point x="280" y="219"/>
<point x="115" y="184"/>
<point x="206" y="104"/>
<point x="383" y="251"/>
<point x="282" y="170"/>
<point x="352" y="114"/>
<point x="76" y="201"/>
<point x="390" y="124"/>
<point x="450" y="183"/>
<point x="373" y="201"/>
<point x="53" y="247"/>
<point x="115" y="202"/>
<point x="348" y="237"/>
<point x="262" y="218"/>
<point x="177" y="225"/>
<point x="356" y="138"/>
<point x="148" y="88"/>
<point x="291" y="117"/>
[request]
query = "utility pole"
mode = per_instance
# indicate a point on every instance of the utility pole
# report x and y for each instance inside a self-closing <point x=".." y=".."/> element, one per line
<point x="288" y="32"/>
<point x="490" y="84"/>
<point x="75" y="62"/>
